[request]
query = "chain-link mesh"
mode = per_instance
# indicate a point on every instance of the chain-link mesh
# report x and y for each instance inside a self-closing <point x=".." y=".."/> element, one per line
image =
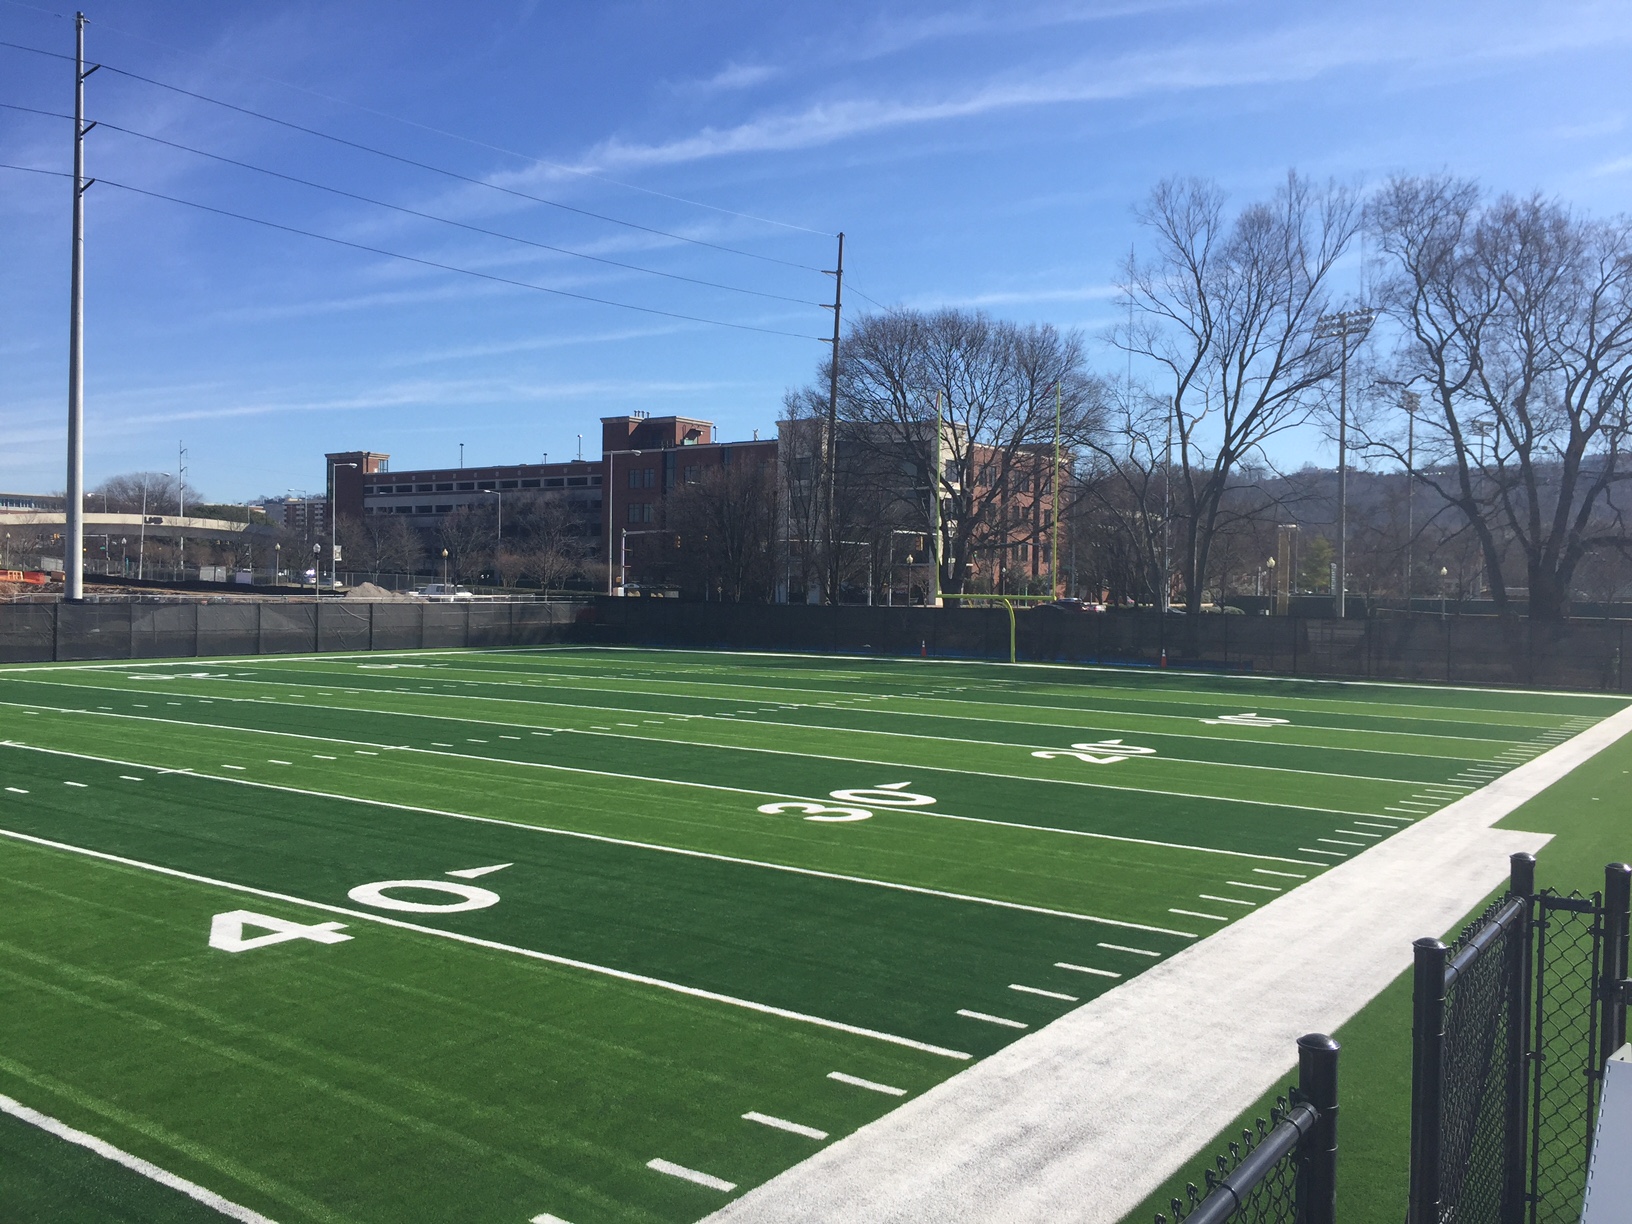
<point x="1564" y="1053"/>
<point x="1273" y="1199"/>
<point x="1478" y="1053"/>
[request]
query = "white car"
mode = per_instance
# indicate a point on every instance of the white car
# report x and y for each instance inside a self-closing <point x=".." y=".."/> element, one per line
<point x="444" y="592"/>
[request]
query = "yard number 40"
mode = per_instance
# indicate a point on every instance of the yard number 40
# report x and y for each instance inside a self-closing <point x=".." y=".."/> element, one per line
<point x="227" y="931"/>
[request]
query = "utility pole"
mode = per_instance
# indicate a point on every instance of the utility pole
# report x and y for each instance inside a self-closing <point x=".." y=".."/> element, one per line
<point x="832" y="431"/>
<point x="73" y="544"/>
<point x="181" y="505"/>
<point x="1341" y="326"/>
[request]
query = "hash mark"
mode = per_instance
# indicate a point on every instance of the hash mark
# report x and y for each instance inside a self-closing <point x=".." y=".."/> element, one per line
<point x="855" y="1081"/>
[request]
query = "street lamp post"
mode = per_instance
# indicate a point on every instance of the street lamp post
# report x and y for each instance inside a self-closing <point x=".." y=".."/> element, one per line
<point x="1270" y="565"/>
<point x="317" y="565"/>
<point x="1443" y="575"/>
<point x="1341" y="326"/>
<point x="277" y="563"/>
<point x="444" y="572"/>
<point x="611" y="510"/>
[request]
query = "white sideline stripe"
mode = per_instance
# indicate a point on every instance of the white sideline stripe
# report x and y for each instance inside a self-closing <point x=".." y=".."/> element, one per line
<point x="989" y="1019"/>
<point x="1047" y="994"/>
<point x="619" y="841"/>
<point x="691" y="1175"/>
<point x="623" y="975"/>
<point x="1085" y="969"/>
<point x="1069" y="1123"/>
<point x="135" y="1164"/>
<point x="855" y="1081"/>
<point x="793" y="1128"/>
<point x="499" y="652"/>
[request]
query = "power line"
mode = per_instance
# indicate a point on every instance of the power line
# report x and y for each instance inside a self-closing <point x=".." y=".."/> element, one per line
<point x="415" y="259"/>
<point x="454" y="174"/>
<point x="413" y="212"/>
<point x="436" y="131"/>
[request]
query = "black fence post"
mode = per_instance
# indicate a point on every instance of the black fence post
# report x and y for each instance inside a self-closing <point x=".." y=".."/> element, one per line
<point x="1427" y="1078"/>
<point x="1317" y="1152"/>
<point x="1515" y="1190"/>
<point x="1617" y="896"/>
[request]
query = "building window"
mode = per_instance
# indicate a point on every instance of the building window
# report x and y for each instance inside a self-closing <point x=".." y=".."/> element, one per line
<point x="423" y="489"/>
<point x="529" y="484"/>
<point x="423" y="510"/>
<point x="634" y="478"/>
<point x="801" y="468"/>
<point x="444" y="488"/>
<point x="554" y="482"/>
<point x="444" y="509"/>
<point x="466" y="485"/>
<point x="692" y="473"/>
<point x="650" y="480"/>
<point x="575" y="481"/>
<point x="634" y="512"/>
<point x="507" y="484"/>
<point x="594" y="480"/>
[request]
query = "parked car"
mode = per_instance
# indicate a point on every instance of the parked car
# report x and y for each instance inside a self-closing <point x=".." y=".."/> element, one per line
<point x="1070" y="605"/>
<point x="444" y="592"/>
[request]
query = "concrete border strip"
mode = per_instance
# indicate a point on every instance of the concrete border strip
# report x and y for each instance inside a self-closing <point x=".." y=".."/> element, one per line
<point x="1086" y="1117"/>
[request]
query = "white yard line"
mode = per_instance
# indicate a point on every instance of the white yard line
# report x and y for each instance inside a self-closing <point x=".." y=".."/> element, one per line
<point x="493" y="945"/>
<point x="135" y="1164"/>
<point x="1073" y="1122"/>
<point x="735" y="790"/>
<point x="549" y="831"/>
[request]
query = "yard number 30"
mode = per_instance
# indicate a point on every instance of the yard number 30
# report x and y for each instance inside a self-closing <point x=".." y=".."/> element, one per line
<point x="890" y="794"/>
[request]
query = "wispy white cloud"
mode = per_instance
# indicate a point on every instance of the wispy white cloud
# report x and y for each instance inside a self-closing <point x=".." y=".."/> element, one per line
<point x="1615" y="165"/>
<point x="1014" y="297"/>
<point x="732" y="77"/>
<point x="1283" y="56"/>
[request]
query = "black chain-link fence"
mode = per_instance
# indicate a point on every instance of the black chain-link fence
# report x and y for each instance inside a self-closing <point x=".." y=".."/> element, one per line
<point x="1511" y="1027"/>
<point x="1481" y="1057"/>
<point x="36" y="633"/>
<point x="1285" y="1170"/>
<point x="1566" y="1062"/>
<point x="1578" y="654"/>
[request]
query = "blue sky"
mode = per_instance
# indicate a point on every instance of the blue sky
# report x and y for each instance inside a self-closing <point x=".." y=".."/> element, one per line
<point x="977" y="155"/>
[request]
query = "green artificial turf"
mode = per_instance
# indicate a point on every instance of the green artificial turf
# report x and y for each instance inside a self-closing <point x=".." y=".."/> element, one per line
<point x="701" y="958"/>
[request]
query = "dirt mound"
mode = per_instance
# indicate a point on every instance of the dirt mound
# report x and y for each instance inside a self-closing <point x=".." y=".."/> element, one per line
<point x="374" y="593"/>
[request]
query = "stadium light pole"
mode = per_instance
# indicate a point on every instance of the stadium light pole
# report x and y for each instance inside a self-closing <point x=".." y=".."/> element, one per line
<point x="1341" y="327"/>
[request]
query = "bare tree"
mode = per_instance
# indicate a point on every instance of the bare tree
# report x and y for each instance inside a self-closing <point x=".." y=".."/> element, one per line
<point x="995" y="383"/>
<point x="1225" y="311"/>
<point x="542" y="541"/>
<point x="131" y="492"/>
<point x="1517" y="326"/>
<point x="725" y="523"/>
<point x="470" y="535"/>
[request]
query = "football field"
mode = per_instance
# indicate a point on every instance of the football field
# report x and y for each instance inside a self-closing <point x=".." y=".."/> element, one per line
<point x="615" y="935"/>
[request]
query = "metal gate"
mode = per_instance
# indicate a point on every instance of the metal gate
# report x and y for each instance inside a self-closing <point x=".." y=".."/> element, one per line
<point x="1512" y="1024"/>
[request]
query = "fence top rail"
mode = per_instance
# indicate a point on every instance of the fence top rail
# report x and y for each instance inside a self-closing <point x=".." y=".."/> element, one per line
<point x="1228" y="1195"/>
<point x="1510" y="912"/>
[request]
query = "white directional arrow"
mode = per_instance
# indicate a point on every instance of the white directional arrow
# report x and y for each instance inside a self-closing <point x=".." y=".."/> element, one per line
<point x="471" y="873"/>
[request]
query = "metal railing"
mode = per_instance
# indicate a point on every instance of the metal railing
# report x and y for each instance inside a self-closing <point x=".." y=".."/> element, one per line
<point x="1286" y="1171"/>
